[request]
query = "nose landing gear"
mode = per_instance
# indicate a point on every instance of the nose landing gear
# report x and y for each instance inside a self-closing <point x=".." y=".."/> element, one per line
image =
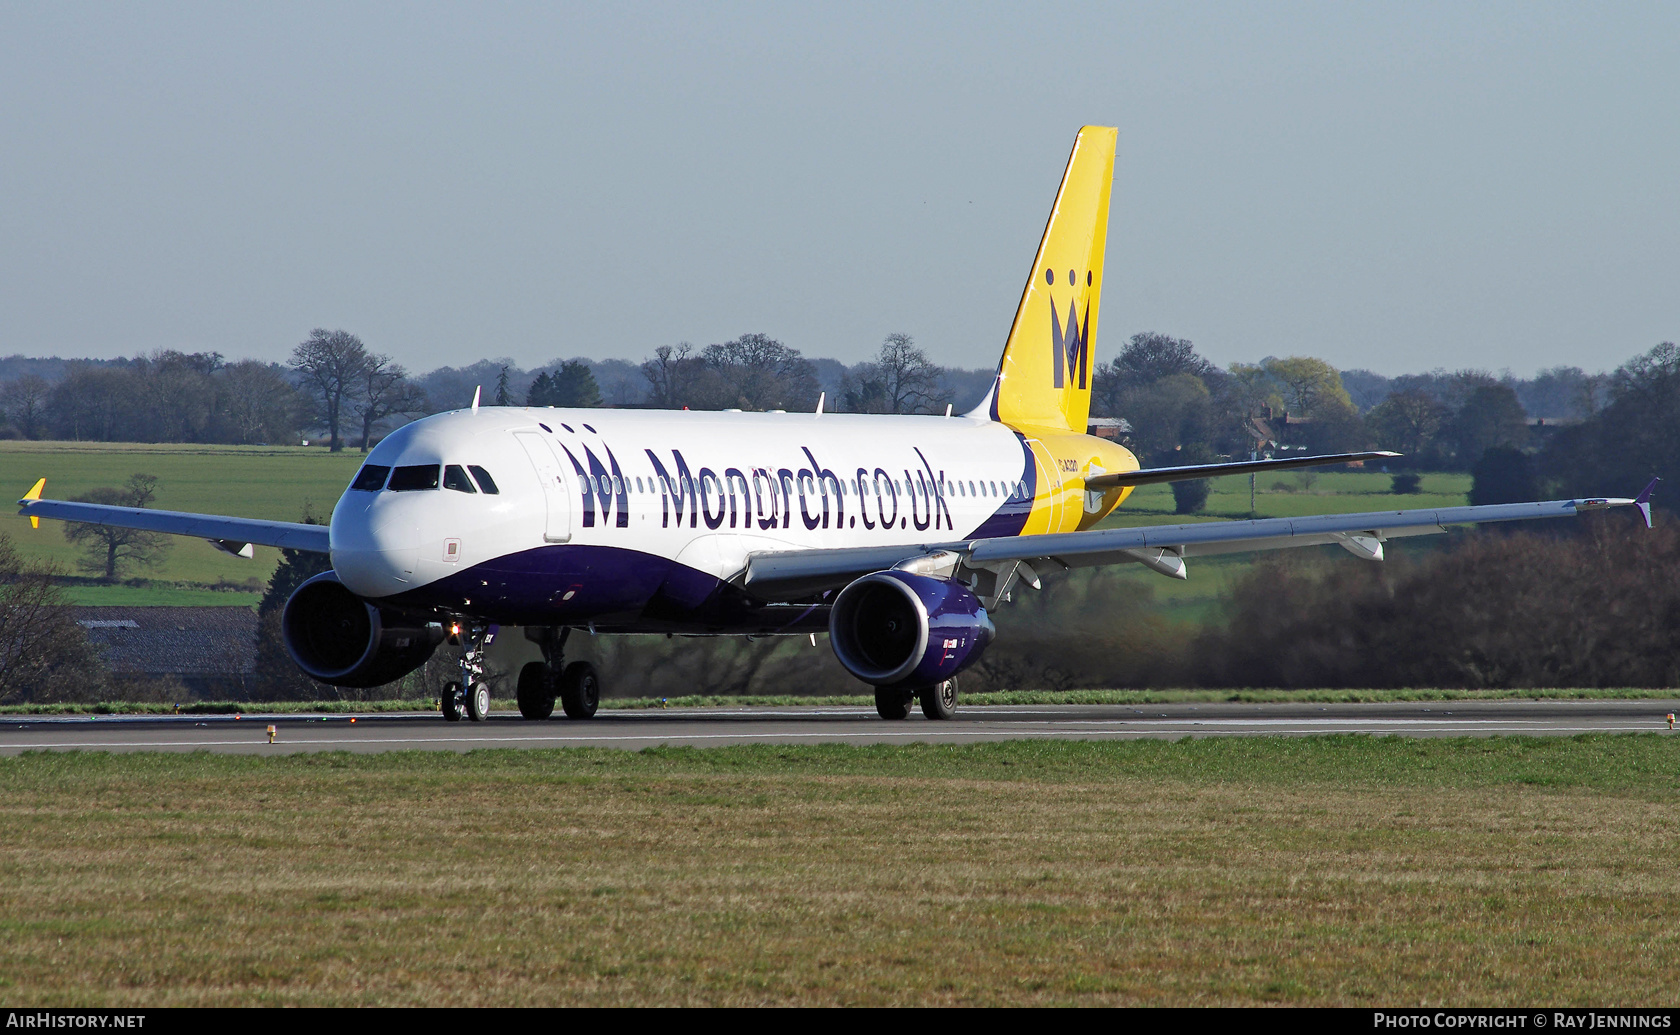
<point x="474" y="700"/>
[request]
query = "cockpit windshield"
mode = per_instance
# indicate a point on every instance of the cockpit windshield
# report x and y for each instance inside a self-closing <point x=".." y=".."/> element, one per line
<point x="409" y="479"/>
<point x="371" y="478"/>
<point x="485" y="482"/>
<point x="455" y="477"/>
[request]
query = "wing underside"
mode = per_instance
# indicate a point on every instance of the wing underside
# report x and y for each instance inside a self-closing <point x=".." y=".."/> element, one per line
<point x="797" y="574"/>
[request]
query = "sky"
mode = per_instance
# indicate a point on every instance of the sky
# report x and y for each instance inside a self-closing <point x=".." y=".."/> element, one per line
<point x="1397" y="187"/>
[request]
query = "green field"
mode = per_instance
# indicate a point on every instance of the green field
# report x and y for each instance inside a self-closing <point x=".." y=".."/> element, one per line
<point x="1321" y="871"/>
<point x="277" y="482"/>
<point x="274" y="482"/>
<point x="1339" y="492"/>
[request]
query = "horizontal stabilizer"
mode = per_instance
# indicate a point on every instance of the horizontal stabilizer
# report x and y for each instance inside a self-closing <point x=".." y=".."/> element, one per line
<point x="1156" y="475"/>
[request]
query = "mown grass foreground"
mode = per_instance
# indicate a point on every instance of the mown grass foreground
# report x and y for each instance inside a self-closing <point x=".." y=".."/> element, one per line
<point x="1341" y="870"/>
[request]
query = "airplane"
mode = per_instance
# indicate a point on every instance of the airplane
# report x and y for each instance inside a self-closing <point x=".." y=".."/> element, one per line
<point x="898" y="535"/>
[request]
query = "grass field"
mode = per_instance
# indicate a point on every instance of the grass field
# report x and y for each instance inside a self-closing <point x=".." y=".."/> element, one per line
<point x="1340" y="492"/>
<point x="277" y="482"/>
<point x="274" y="482"/>
<point x="1342" y="870"/>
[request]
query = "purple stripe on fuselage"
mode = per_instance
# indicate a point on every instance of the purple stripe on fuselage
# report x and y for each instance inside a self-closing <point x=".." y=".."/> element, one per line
<point x="1011" y="517"/>
<point x="609" y="586"/>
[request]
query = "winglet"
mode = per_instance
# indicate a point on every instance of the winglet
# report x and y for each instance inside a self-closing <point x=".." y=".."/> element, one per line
<point x="477" y="390"/>
<point x="1642" y="501"/>
<point x="34" y="494"/>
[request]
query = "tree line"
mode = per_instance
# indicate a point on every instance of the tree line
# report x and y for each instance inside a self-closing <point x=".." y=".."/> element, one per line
<point x="1183" y="409"/>
<point x="1179" y="407"/>
<point x="337" y="390"/>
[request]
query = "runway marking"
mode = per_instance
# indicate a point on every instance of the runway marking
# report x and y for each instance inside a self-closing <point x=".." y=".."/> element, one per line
<point x="491" y="741"/>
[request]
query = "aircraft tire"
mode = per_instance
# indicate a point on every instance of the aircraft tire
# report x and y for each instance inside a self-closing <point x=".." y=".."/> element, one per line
<point x="478" y="702"/>
<point x="939" y="702"/>
<point x="451" y="703"/>
<point x="892" y="704"/>
<point x="536" y="700"/>
<point x="580" y="690"/>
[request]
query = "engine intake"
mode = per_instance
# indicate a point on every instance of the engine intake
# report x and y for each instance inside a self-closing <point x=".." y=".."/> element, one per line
<point x="338" y="638"/>
<point x="896" y="628"/>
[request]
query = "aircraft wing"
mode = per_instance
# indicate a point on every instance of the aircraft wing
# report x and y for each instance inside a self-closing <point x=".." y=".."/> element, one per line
<point x="230" y="534"/>
<point x="1160" y="547"/>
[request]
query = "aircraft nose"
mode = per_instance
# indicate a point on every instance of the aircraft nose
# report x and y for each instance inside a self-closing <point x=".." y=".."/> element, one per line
<point x="374" y="549"/>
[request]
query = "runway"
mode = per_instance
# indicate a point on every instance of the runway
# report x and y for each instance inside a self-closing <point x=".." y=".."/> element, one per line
<point x="716" y="727"/>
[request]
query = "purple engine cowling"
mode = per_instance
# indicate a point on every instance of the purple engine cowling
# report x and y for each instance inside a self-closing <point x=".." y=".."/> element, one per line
<point x="895" y="628"/>
<point x="338" y="638"/>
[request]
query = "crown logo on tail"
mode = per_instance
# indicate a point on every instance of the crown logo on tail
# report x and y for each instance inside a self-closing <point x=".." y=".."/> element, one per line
<point x="1070" y="356"/>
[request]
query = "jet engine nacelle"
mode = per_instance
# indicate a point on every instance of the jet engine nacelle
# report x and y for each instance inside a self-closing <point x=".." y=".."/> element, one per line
<point x="338" y="638"/>
<point x="897" y="628"/>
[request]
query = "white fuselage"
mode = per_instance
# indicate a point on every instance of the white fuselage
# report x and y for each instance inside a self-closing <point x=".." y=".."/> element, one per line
<point x="607" y="515"/>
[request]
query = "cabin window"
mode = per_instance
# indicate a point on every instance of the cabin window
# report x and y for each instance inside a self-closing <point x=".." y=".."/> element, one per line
<point x="638" y="484"/>
<point x="371" y="478"/>
<point x="486" y="484"/>
<point x="971" y="489"/>
<point x="455" y="477"/>
<point x="410" y="479"/>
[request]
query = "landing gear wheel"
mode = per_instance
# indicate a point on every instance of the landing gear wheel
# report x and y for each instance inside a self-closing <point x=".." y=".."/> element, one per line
<point x="536" y="699"/>
<point x="893" y="704"/>
<point x="939" y="701"/>
<point x="451" y="703"/>
<point x="580" y="690"/>
<point x="478" y="702"/>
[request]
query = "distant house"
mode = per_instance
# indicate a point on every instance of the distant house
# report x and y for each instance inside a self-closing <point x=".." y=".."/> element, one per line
<point x="211" y="650"/>
<point x="1112" y="428"/>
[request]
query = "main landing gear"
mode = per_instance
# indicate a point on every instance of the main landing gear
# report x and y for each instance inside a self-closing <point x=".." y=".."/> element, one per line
<point x="470" y="694"/>
<point x="938" y="701"/>
<point x="577" y="686"/>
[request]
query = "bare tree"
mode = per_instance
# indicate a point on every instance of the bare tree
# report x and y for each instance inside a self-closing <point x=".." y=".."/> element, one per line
<point x="670" y="375"/>
<point x="1407" y="421"/>
<point x="109" y="549"/>
<point x="93" y="404"/>
<point x="175" y="398"/>
<point x="25" y="400"/>
<point x="757" y="372"/>
<point x="259" y="406"/>
<point x="44" y="655"/>
<point x="382" y="389"/>
<point x="330" y="363"/>
<point x="899" y="380"/>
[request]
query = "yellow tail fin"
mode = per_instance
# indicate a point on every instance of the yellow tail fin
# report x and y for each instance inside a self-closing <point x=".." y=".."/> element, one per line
<point x="1044" y="380"/>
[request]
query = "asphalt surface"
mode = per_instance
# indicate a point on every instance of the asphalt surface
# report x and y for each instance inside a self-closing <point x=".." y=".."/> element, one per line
<point x="713" y="727"/>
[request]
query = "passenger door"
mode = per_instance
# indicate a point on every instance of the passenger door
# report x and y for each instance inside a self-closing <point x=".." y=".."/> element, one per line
<point x="553" y="478"/>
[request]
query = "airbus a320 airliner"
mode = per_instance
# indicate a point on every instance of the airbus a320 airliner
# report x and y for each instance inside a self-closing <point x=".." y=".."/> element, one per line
<point x="894" y="534"/>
